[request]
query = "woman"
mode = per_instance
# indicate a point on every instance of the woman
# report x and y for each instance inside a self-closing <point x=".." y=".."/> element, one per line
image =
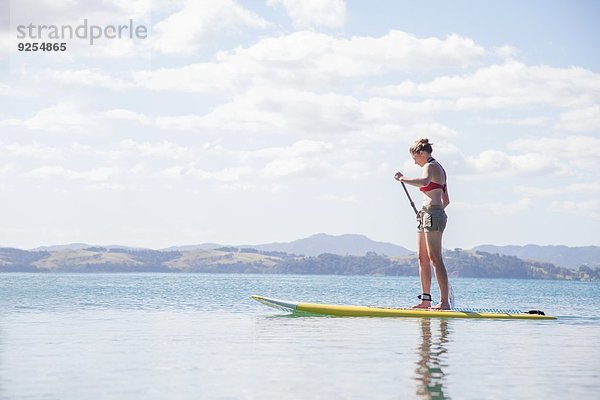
<point x="432" y="221"/>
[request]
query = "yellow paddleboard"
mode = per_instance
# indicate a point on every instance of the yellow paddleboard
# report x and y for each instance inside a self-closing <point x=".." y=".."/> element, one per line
<point x="365" y="311"/>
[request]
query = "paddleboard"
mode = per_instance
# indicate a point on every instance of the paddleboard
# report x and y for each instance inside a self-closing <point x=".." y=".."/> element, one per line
<point x="366" y="311"/>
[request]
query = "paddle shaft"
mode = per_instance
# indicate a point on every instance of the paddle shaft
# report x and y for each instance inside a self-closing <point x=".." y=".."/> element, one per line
<point x="412" y="203"/>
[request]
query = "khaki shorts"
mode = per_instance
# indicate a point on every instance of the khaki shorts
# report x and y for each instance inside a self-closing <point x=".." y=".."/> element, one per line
<point x="432" y="219"/>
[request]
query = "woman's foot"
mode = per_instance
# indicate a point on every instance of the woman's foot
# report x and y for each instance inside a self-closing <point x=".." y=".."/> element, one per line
<point x="423" y="304"/>
<point x="425" y="301"/>
<point x="444" y="305"/>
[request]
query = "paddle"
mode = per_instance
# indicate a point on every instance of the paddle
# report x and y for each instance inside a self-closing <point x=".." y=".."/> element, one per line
<point x="412" y="203"/>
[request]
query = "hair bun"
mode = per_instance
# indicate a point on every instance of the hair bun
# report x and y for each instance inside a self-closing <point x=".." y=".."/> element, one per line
<point x="421" y="145"/>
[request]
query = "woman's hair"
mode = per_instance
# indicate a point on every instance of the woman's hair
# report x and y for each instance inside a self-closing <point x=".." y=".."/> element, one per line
<point x="421" y="145"/>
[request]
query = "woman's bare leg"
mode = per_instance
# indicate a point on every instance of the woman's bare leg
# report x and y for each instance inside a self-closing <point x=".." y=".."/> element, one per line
<point x="434" y="249"/>
<point x="424" y="269"/>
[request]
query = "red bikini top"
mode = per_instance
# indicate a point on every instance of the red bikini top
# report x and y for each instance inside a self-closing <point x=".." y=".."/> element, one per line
<point x="434" y="185"/>
<point x="431" y="186"/>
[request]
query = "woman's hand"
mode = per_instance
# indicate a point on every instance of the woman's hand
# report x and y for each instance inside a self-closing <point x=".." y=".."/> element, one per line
<point x="398" y="176"/>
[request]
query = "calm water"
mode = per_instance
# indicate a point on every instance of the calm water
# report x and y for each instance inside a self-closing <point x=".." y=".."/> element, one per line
<point x="155" y="336"/>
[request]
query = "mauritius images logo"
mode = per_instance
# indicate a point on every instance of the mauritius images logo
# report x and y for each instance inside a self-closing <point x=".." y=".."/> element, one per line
<point x="91" y="33"/>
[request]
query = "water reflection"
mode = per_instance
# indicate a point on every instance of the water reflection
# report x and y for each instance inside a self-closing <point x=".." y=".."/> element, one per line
<point x="2" y="366"/>
<point x="432" y="357"/>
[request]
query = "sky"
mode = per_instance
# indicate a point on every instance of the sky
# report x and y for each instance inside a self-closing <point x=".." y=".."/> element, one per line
<point x="248" y="122"/>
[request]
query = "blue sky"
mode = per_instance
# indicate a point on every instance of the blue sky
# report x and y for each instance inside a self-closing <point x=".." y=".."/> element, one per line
<point x="244" y="122"/>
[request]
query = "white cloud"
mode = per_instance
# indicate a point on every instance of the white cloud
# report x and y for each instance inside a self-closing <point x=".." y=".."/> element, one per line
<point x="582" y="189"/>
<point x="302" y="148"/>
<point x="264" y="169"/>
<point x="70" y="117"/>
<point x="197" y="23"/>
<point x="296" y="167"/>
<point x="127" y="159"/>
<point x="435" y="129"/>
<point x="335" y="198"/>
<point x="308" y="159"/>
<point x="84" y="77"/>
<point x="314" y="13"/>
<point x="527" y="121"/>
<point x="585" y="209"/>
<point x="301" y="60"/>
<point x="107" y="186"/>
<point x="496" y="163"/>
<point x="5" y="90"/>
<point x="511" y="84"/>
<point x="32" y="150"/>
<point x="182" y="122"/>
<point x="308" y="56"/>
<point x="506" y="51"/>
<point x="177" y="171"/>
<point x="142" y="7"/>
<point x="6" y="170"/>
<point x="400" y="111"/>
<point x="132" y="150"/>
<point x="580" y="120"/>
<point x="81" y="149"/>
<point x="302" y="159"/>
<point x="127" y="115"/>
<point x="572" y="147"/>
<point x="64" y="11"/>
<point x="92" y="175"/>
<point x="245" y="187"/>
<point x="60" y="117"/>
<point x="5" y="50"/>
<point x="203" y="77"/>
<point x="553" y="157"/>
<point x="230" y="174"/>
<point x="510" y="208"/>
<point x="270" y="110"/>
<point x="299" y="112"/>
<point x="499" y="208"/>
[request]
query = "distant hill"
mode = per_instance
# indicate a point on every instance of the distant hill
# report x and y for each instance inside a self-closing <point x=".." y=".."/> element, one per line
<point x="61" y="247"/>
<point x="317" y="254"/>
<point x="354" y="245"/>
<point x="359" y="245"/>
<point x="460" y="263"/>
<point x="563" y="256"/>
<point x="349" y="244"/>
<point x="82" y="246"/>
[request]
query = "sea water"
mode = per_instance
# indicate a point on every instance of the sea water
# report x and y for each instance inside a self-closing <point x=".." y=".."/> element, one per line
<point x="200" y="336"/>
